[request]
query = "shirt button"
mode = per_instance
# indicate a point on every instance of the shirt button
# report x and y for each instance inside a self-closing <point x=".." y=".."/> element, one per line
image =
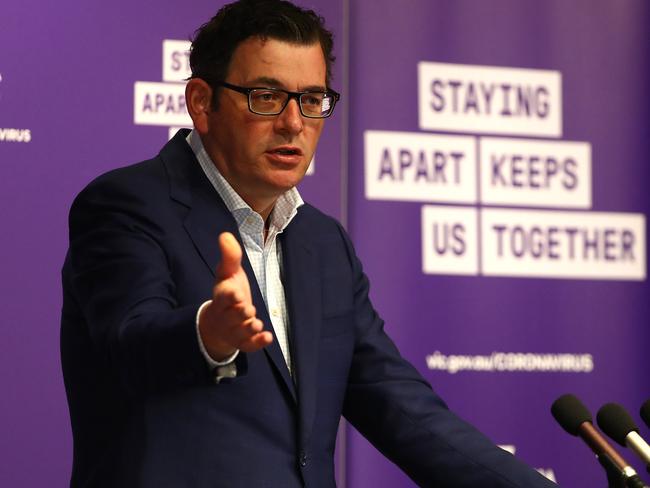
<point x="303" y="459"/>
<point x="275" y="312"/>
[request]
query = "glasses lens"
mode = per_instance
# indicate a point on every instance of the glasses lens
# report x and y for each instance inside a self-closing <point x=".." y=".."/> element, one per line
<point x="268" y="102"/>
<point x="316" y="104"/>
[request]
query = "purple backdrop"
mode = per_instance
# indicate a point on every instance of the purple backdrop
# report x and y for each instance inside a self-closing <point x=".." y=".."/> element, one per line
<point x="67" y="77"/>
<point x="601" y="50"/>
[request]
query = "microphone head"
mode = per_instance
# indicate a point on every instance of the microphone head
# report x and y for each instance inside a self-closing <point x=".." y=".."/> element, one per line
<point x="615" y="422"/>
<point x="645" y="412"/>
<point x="570" y="413"/>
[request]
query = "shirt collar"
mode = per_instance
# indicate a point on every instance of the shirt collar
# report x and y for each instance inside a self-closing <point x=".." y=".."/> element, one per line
<point x="284" y="210"/>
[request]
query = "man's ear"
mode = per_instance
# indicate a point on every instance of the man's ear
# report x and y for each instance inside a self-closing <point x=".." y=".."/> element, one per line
<point x="198" y="98"/>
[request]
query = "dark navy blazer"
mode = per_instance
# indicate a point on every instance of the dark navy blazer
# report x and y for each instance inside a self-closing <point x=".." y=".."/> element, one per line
<point x="145" y="410"/>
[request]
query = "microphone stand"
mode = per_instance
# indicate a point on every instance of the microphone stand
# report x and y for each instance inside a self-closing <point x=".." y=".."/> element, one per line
<point x="614" y="476"/>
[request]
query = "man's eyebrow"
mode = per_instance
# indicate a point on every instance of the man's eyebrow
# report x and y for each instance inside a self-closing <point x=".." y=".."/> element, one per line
<point x="266" y="81"/>
<point x="275" y="83"/>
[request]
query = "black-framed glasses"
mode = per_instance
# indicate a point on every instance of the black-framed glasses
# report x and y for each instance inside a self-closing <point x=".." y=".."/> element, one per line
<point x="272" y="101"/>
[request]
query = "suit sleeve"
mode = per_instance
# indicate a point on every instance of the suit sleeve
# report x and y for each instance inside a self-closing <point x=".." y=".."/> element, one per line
<point x="390" y="403"/>
<point x="119" y="275"/>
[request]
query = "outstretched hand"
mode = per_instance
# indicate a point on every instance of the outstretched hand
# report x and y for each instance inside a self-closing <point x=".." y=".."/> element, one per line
<point x="229" y="322"/>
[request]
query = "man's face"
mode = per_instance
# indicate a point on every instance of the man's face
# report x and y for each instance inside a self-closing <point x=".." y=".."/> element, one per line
<point x="263" y="156"/>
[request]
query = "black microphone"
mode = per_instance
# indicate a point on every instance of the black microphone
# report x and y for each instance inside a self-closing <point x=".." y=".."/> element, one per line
<point x="645" y="412"/>
<point x="574" y="417"/>
<point x="618" y="424"/>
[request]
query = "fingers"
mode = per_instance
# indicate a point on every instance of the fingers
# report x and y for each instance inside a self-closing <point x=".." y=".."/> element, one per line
<point x="231" y="255"/>
<point x="224" y="331"/>
<point x="249" y="336"/>
<point x="256" y="342"/>
<point x="240" y="317"/>
<point x="228" y="294"/>
<point x="243" y="331"/>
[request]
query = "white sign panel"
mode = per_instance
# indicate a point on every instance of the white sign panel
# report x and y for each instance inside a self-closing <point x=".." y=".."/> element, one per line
<point x="160" y="104"/>
<point x="559" y="244"/>
<point x="411" y="166"/>
<point x="176" y="60"/>
<point x="535" y="173"/>
<point x="489" y="99"/>
<point x="449" y="240"/>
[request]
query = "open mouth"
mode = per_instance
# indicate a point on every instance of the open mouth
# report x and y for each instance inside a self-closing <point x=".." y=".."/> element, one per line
<point x="286" y="151"/>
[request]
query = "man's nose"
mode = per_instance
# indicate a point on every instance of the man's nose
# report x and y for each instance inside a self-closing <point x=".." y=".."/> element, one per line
<point x="290" y="120"/>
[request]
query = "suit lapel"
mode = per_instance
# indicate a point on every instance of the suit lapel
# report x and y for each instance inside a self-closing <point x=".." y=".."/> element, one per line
<point x="207" y="216"/>
<point x="303" y="295"/>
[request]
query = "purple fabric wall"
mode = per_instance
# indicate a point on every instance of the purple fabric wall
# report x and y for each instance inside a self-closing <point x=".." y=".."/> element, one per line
<point x="600" y="50"/>
<point x="67" y="75"/>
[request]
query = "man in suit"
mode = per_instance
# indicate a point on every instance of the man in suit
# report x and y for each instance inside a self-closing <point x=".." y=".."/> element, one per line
<point x="214" y="326"/>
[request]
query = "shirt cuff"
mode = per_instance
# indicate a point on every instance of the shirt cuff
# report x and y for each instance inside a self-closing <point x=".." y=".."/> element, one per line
<point x="212" y="364"/>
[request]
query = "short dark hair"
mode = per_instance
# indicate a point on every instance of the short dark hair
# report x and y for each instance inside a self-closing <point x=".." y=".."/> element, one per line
<point x="215" y="41"/>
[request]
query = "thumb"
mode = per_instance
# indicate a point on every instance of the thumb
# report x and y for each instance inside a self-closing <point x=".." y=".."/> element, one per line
<point x="231" y="254"/>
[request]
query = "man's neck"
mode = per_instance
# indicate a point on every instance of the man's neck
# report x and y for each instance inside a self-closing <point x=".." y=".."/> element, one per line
<point x="264" y="208"/>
